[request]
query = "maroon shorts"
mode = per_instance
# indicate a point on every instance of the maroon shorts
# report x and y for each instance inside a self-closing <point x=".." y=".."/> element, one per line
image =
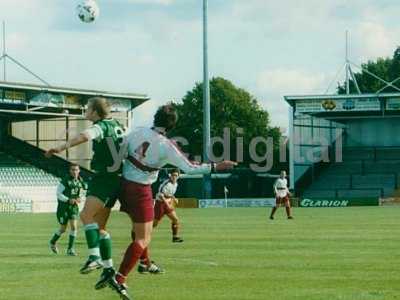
<point x="282" y="200"/>
<point x="161" y="209"/>
<point x="137" y="201"/>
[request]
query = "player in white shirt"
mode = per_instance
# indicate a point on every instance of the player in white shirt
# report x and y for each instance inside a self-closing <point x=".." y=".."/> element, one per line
<point x="148" y="151"/>
<point x="281" y="195"/>
<point x="165" y="204"/>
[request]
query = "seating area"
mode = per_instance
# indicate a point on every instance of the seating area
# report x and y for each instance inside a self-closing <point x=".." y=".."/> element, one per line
<point x="28" y="179"/>
<point x="27" y="187"/>
<point x="7" y="197"/>
<point x="371" y="153"/>
<point x="382" y="166"/>
<point x="33" y="156"/>
<point x="14" y="172"/>
<point x="364" y="172"/>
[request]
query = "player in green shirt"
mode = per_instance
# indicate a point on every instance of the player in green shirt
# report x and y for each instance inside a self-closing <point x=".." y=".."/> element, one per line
<point x="107" y="136"/>
<point x="69" y="192"/>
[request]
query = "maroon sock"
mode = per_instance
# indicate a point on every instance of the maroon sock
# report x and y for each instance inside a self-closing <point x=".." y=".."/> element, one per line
<point x="120" y="278"/>
<point x="144" y="258"/>
<point x="131" y="257"/>
<point x="174" y="228"/>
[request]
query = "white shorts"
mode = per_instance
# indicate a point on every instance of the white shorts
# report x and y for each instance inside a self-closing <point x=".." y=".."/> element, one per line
<point x="281" y="193"/>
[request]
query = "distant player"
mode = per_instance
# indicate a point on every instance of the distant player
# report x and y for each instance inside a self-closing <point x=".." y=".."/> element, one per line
<point x="166" y="202"/>
<point x="281" y="195"/>
<point x="69" y="192"/>
<point x="149" y="150"/>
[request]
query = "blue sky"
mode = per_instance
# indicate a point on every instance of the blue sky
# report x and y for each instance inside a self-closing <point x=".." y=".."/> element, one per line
<point x="270" y="48"/>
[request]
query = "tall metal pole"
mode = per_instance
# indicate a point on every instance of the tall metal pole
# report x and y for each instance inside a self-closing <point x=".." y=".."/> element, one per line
<point x="206" y="102"/>
<point x="347" y="64"/>
<point x="4" y="51"/>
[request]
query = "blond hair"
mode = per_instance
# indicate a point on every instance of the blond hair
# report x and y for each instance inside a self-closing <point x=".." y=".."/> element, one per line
<point x="101" y="106"/>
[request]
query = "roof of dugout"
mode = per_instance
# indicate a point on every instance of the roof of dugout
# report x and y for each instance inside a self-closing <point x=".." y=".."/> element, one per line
<point x="51" y="101"/>
<point x="344" y="105"/>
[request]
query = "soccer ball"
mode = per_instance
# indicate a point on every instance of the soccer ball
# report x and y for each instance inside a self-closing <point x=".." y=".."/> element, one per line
<point x="88" y="11"/>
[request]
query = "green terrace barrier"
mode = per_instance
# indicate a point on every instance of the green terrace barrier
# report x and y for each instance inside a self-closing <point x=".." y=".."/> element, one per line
<point x="342" y="202"/>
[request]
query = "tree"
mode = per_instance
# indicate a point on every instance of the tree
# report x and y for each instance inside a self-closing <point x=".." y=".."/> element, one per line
<point x="232" y="108"/>
<point x="386" y="68"/>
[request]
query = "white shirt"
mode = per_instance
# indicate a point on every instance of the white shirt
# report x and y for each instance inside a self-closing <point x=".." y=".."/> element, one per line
<point x="154" y="150"/>
<point x="167" y="188"/>
<point x="60" y="195"/>
<point x="94" y="132"/>
<point x="280" y="187"/>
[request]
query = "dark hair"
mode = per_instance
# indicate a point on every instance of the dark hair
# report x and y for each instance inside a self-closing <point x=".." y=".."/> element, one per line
<point x="175" y="171"/>
<point x="166" y="117"/>
<point x="100" y="106"/>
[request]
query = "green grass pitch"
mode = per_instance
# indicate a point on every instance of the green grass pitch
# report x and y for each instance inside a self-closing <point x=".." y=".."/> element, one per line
<point x="232" y="254"/>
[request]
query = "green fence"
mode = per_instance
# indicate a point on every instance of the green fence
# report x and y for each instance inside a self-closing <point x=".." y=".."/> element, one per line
<point x="341" y="202"/>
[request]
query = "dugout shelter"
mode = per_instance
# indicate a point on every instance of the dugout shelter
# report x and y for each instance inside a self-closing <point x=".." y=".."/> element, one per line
<point x="34" y="118"/>
<point x="344" y="149"/>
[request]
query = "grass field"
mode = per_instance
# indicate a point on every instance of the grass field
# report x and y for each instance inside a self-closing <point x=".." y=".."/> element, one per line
<point x="325" y="253"/>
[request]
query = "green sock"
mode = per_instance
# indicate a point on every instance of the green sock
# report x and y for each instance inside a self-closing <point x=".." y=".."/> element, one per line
<point x="71" y="241"/>
<point x="105" y="250"/>
<point x="92" y="240"/>
<point x="56" y="237"/>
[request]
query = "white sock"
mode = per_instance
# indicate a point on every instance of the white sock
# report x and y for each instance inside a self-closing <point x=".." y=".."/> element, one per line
<point x="94" y="251"/>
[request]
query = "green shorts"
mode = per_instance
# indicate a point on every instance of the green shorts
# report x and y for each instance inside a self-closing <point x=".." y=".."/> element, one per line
<point x="66" y="212"/>
<point x="105" y="187"/>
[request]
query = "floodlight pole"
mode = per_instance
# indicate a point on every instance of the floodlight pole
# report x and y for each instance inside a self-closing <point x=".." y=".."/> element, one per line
<point x="206" y="103"/>
<point x="347" y="64"/>
<point x="4" y="51"/>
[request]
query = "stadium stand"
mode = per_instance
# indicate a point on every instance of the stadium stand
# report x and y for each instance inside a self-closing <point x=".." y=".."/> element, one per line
<point x="364" y="172"/>
<point x="34" y="118"/>
<point x="23" y="183"/>
<point x="28" y="153"/>
<point x="27" y="178"/>
<point x="14" y="172"/>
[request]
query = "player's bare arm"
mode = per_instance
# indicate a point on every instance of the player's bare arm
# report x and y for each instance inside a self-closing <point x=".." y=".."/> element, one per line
<point x="80" y="139"/>
<point x="167" y="199"/>
<point x="225" y="165"/>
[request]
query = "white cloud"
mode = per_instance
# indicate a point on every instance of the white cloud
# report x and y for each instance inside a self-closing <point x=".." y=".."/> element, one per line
<point x="374" y="37"/>
<point x="285" y="16"/>
<point x="290" y="81"/>
<point x="22" y="10"/>
<point x="17" y="41"/>
<point x="145" y="59"/>
<point x="162" y="2"/>
<point x="19" y="4"/>
<point x="274" y="84"/>
<point x="375" y="40"/>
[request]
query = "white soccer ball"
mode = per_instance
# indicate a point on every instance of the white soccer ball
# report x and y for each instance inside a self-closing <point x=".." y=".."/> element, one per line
<point x="88" y="11"/>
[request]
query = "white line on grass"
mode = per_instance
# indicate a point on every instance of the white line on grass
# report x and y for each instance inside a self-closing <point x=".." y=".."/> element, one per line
<point x="195" y="261"/>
